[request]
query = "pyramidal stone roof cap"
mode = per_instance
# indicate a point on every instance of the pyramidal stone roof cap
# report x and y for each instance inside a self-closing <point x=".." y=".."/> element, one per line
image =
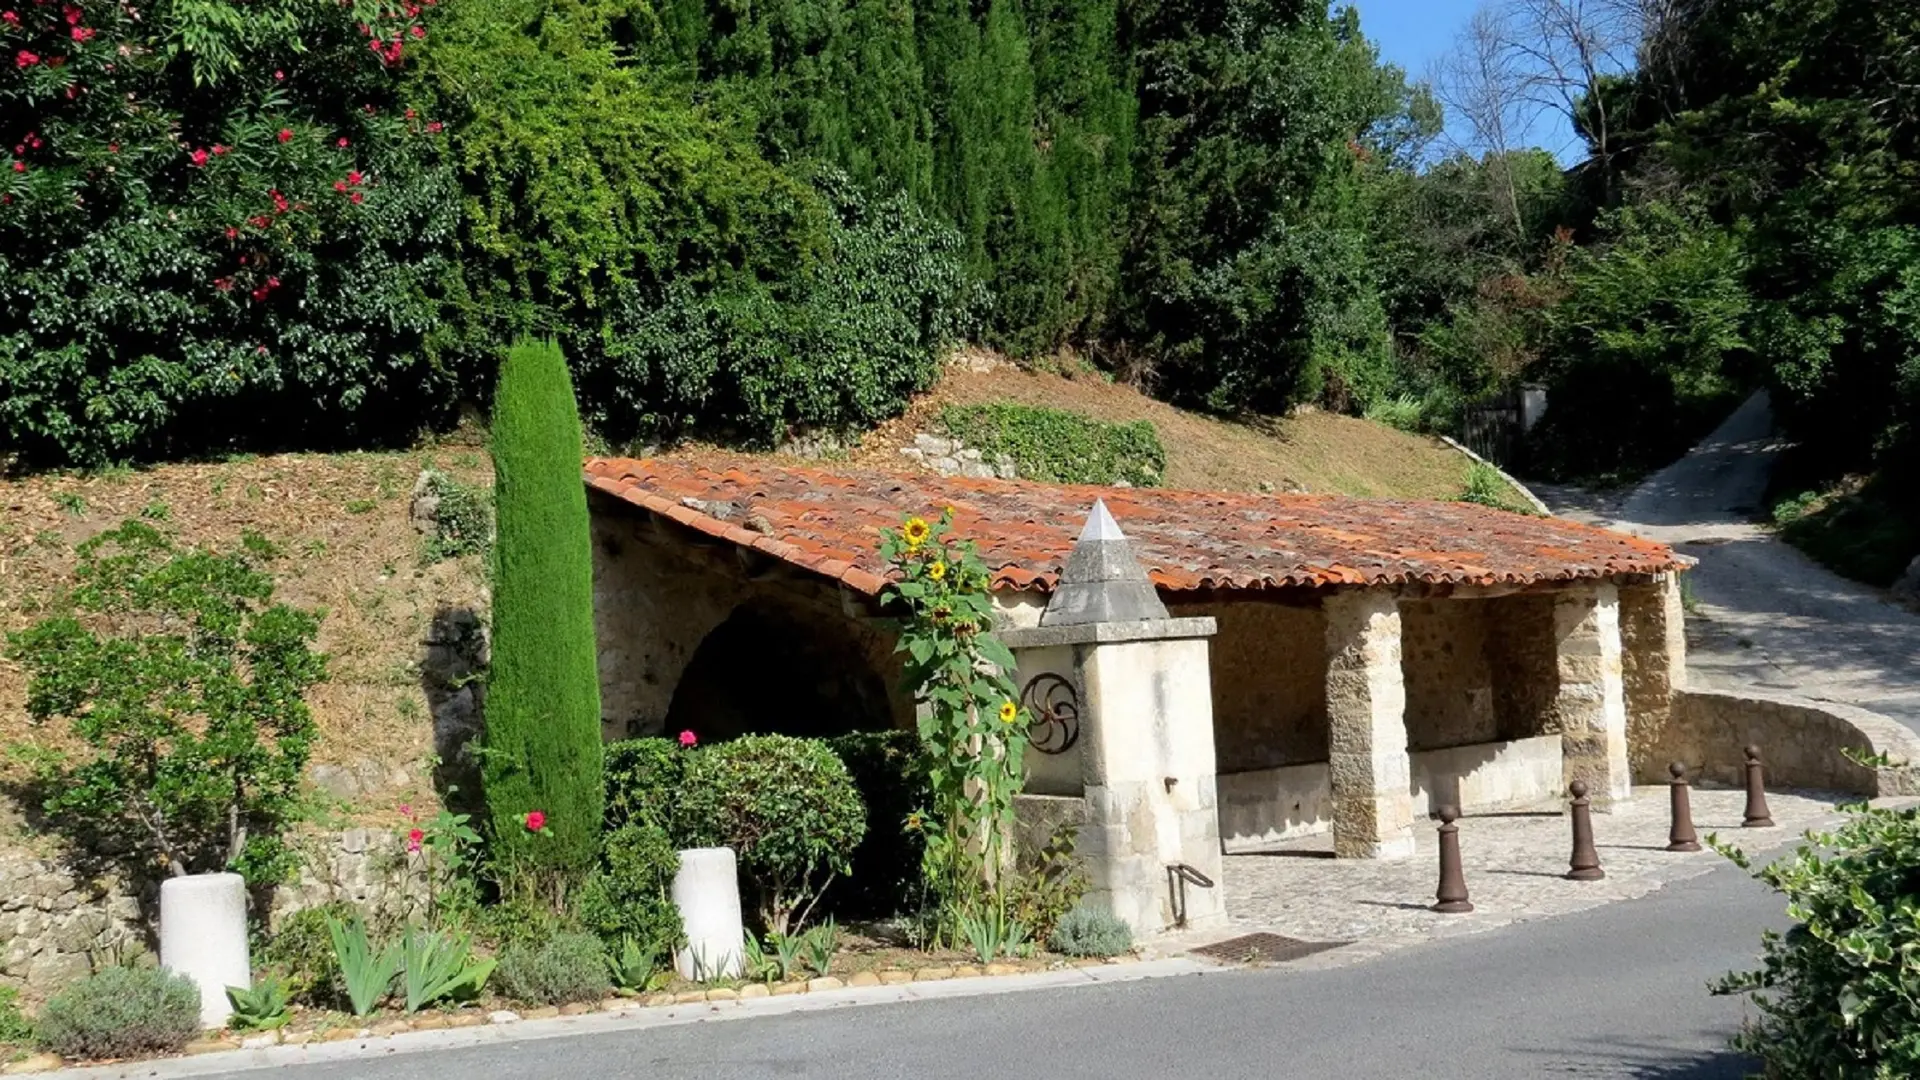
<point x="829" y="523"/>
<point x="1103" y="581"/>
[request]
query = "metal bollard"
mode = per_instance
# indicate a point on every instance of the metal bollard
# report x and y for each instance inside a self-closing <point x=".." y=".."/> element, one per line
<point x="1682" y="837"/>
<point x="1585" y="864"/>
<point x="1758" y="816"/>
<point x="1452" y="893"/>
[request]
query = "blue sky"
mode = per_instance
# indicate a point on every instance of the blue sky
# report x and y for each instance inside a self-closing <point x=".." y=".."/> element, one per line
<point x="1417" y="33"/>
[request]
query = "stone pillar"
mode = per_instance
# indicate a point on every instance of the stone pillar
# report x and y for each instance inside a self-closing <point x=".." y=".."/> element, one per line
<point x="1591" y="707"/>
<point x="1143" y="732"/>
<point x="1653" y="655"/>
<point x="1366" y="727"/>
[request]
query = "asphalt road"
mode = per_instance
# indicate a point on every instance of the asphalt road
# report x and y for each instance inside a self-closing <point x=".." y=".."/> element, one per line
<point x="1766" y="615"/>
<point x="1619" y="991"/>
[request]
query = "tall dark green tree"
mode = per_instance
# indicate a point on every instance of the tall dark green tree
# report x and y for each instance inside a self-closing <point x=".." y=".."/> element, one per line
<point x="542" y="764"/>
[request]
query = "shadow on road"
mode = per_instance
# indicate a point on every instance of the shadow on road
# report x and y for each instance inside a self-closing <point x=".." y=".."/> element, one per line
<point x="1650" y="1062"/>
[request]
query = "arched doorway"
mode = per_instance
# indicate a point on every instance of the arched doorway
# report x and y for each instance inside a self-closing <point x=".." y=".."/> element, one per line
<point x="772" y="669"/>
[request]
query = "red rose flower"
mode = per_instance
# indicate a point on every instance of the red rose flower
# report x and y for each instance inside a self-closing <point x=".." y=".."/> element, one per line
<point x="25" y="59"/>
<point x="286" y="134"/>
<point x="354" y="177"/>
<point x="199" y="157"/>
<point x="83" y="33"/>
<point x="536" y="820"/>
<point x="356" y="197"/>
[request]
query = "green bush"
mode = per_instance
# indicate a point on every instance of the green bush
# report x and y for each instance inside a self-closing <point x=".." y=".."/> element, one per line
<point x="1060" y="447"/>
<point x="643" y="780"/>
<point x="15" y="1028"/>
<point x="788" y="810"/>
<point x="1048" y="883"/>
<point x="1085" y="932"/>
<point x="121" y="1012"/>
<point x="1835" y="992"/>
<point x="890" y="773"/>
<point x="252" y="302"/>
<point x="542" y="762"/>
<point x="301" y="952"/>
<point x="462" y="518"/>
<point x="560" y="969"/>
<point x="187" y="686"/>
<point x="629" y="896"/>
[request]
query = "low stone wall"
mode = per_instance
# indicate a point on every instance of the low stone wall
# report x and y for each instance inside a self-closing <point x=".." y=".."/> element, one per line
<point x="1800" y="741"/>
<point x="1267" y="805"/>
<point x="57" y="925"/>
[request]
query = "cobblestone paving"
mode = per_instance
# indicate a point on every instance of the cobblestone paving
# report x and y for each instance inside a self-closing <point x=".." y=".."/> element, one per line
<point x="1513" y="866"/>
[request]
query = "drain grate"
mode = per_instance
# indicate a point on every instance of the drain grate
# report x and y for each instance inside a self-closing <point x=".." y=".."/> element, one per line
<point x="1264" y="949"/>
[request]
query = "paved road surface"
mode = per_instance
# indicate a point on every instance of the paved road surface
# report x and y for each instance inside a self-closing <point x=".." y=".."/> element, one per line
<point x="1614" y="992"/>
<point x="1769" y="616"/>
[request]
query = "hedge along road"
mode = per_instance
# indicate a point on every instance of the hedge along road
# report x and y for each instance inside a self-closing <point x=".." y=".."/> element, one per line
<point x="1617" y="991"/>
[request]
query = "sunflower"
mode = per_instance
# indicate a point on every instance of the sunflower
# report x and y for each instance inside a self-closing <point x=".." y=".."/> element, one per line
<point x="1009" y="712"/>
<point x="936" y="570"/>
<point x="916" y="531"/>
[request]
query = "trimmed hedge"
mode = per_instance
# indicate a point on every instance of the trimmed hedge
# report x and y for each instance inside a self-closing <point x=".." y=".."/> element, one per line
<point x="644" y="787"/>
<point x="1060" y="447"/>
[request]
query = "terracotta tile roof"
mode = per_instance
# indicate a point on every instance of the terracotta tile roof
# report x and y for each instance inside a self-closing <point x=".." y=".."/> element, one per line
<point x="830" y="522"/>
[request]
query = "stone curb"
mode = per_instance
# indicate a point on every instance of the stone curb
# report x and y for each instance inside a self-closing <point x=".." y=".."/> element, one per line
<point x="234" y="1052"/>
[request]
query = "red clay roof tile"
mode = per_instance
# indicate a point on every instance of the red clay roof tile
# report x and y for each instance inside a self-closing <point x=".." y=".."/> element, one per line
<point x="830" y="522"/>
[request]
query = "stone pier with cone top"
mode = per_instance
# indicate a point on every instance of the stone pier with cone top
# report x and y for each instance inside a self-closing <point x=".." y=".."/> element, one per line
<point x="1124" y="709"/>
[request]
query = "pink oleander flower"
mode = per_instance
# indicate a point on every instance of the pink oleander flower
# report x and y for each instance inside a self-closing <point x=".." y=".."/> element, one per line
<point x="536" y="820"/>
<point x="688" y="738"/>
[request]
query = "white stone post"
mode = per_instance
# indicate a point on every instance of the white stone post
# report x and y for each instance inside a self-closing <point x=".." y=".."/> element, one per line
<point x="1591" y="704"/>
<point x="707" y="891"/>
<point x="203" y="935"/>
<point x="1367" y="727"/>
<point x="1145" y="713"/>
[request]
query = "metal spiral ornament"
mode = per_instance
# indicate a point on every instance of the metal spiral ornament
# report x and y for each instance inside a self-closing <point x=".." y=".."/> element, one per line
<point x="1055" y="707"/>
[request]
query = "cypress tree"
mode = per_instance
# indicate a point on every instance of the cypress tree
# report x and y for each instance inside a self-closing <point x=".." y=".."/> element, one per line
<point x="543" y="750"/>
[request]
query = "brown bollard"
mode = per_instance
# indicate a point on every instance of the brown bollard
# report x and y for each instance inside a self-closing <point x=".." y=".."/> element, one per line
<point x="1452" y="893"/>
<point x="1681" y="838"/>
<point x="1585" y="864"/>
<point x="1758" y="816"/>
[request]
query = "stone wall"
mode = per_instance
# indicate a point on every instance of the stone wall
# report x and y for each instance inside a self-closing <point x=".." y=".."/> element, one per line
<point x="1800" y="742"/>
<point x="1523" y="659"/>
<point x="1269" y="683"/>
<point x="1443" y="653"/>
<point x="57" y="925"/>
<point x="659" y="593"/>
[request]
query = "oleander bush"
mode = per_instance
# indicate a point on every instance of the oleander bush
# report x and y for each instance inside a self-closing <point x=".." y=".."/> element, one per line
<point x="218" y="228"/>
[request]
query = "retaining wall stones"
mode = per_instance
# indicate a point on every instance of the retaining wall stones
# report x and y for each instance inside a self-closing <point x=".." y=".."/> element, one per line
<point x="56" y="925"/>
<point x="1800" y="741"/>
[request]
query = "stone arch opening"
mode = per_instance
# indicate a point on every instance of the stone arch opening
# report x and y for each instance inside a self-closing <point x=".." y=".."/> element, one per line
<point x="771" y="669"/>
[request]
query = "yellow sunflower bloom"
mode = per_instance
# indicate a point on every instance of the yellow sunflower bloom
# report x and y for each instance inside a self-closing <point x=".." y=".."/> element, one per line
<point x="1009" y="712"/>
<point x="937" y="570"/>
<point x="916" y="531"/>
<point x="949" y="513"/>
